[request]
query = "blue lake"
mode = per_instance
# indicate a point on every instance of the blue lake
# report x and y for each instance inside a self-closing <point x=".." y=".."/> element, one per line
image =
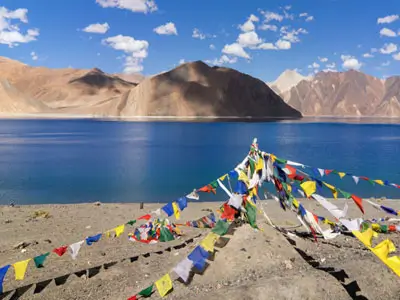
<point x="73" y="161"/>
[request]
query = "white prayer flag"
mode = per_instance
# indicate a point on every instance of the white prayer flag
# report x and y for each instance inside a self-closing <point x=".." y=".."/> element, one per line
<point x="74" y="249"/>
<point x="183" y="269"/>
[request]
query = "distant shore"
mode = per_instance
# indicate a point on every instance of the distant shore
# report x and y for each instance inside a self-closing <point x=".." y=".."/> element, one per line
<point x="249" y="119"/>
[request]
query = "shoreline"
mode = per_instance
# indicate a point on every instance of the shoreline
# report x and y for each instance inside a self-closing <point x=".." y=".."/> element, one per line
<point x="205" y="119"/>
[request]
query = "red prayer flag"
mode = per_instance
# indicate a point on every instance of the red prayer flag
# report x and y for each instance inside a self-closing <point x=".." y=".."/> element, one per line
<point x="132" y="298"/>
<point x="61" y="250"/>
<point x="327" y="172"/>
<point x="358" y="201"/>
<point x="316" y="218"/>
<point x="145" y="217"/>
<point x="291" y="170"/>
<point x="229" y="212"/>
<point x="207" y="189"/>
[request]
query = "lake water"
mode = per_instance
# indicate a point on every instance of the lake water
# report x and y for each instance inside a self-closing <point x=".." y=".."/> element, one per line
<point x="72" y="161"/>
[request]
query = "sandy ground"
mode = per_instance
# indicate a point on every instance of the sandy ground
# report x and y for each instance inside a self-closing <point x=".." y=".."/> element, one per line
<point x="247" y="264"/>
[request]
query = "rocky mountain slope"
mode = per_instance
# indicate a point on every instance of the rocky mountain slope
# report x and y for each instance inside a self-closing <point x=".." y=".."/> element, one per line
<point x="287" y="80"/>
<point x="350" y="93"/>
<point x="192" y="89"/>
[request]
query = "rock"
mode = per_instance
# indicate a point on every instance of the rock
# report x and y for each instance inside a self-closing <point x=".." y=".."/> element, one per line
<point x="7" y="221"/>
<point x="288" y="265"/>
<point x="47" y="241"/>
<point x="97" y="203"/>
<point x="23" y="245"/>
<point x="88" y="227"/>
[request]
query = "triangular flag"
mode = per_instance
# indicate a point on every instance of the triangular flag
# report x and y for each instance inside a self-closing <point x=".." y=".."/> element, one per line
<point x="209" y="241"/>
<point x="132" y="298"/>
<point x="327" y="172"/>
<point x="345" y="194"/>
<point x="389" y="210"/>
<point x="93" y="239"/>
<point x="380" y="182"/>
<point x="164" y="285"/>
<point x="131" y="222"/>
<point x="177" y="213"/>
<point x="74" y="249"/>
<point x="145" y="217"/>
<point x="356" y="179"/>
<point x="341" y="174"/>
<point x="61" y="250"/>
<point x="222" y="178"/>
<point x="393" y="263"/>
<point x="207" y="189"/>
<point x="321" y="172"/>
<point x="332" y="188"/>
<point x="309" y="187"/>
<point x="222" y="186"/>
<point x="39" y="260"/>
<point x="165" y="235"/>
<point x="3" y="272"/>
<point x="221" y="228"/>
<point x="183" y="269"/>
<point x="260" y="164"/>
<point x="147" y="291"/>
<point x="365" y="237"/>
<point x="119" y="230"/>
<point x="20" y="269"/>
<point x="383" y="249"/>
<point x="358" y="201"/>
<point x="193" y="195"/>
<point x="199" y="256"/>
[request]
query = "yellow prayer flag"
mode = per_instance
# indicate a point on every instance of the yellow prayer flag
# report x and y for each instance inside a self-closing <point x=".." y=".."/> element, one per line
<point x="380" y="182"/>
<point x="273" y="157"/>
<point x="177" y="213"/>
<point x="365" y="237"/>
<point x="383" y="249"/>
<point x="20" y="269"/>
<point x="309" y="187"/>
<point x="393" y="263"/>
<point x="164" y="285"/>
<point x="289" y="187"/>
<point x="260" y="164"/>
<point x="295" y="203"/>
<point x="119" y="230"/>
<point x="332" y="188"/>
<point x="222" y="178"/>
<point x="342" y="174"/>
<point x="209" y="241"/>
<point x="243" y="177"/>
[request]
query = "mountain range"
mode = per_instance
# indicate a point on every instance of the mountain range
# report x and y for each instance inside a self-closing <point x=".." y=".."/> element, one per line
<point x="191" y="90"/>
<point x="350" y="93"/>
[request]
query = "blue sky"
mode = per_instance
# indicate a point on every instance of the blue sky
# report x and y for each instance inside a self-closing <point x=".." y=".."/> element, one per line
<point x="308" y="35"/>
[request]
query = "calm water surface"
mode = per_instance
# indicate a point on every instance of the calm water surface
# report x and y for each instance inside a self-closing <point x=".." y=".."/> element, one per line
<point x="72" y="161"/>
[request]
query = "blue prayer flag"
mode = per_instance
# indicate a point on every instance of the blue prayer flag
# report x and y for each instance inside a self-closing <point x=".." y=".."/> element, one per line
<point x="93" y="239"/>
<point x="182" y="203"/>
<point x="3" y="272"/>
<point x="168" y="209"/>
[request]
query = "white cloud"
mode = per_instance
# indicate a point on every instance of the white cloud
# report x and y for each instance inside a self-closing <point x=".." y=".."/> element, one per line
<point x="331" y="66"/>
<point x="268" y="27"/>
<point x="97" y="28"/>
<point x="279" y="45"/>
<point x="197" y="34"/>
<point x="283" y="45"/>
<point x="385" y="64"/>
<point x="388" y="19"/>
<point x="288" y="7"/>
<point x="303" y="15"/>
<point x="373" y="50"/>
<point x="143" y="6"/>
<point x="388" y="48"/>
<point x="323" y="59"/>
<point x="350" y="62"/>
<point x="292" y="36"/>
<point x="387" y="32"/>
<point x="309" y="18"/>
<point x="137" y="51"/>
<point x="249" y="24"/>
<point x="11" y="34"/>
<point x="224" y="59"/>
<point x="271" y="16"/>
<point x="235" y="49"/>
<point x="396" y="56"/>
<point x="34" y="56"/>
<point x="367" y="55"/>
<point x="249" y="39"/>
<point x="212" y="47"/>
<point x="166" y="29"/>
<point x="314" y="65"/>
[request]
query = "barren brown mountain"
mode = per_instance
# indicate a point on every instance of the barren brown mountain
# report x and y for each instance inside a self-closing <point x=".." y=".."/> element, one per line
<point x="196" y="89"/>
<point x="350" y="93"/>
<point x="193" y="89"/>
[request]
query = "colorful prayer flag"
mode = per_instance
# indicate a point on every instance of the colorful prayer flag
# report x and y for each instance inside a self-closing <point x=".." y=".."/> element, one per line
<point x="183" y="269"/>
<point x="209" y="241"/>
<point x="309" y="187"/>
<point x="358" y="201"/>
<point x="74" y="249"/>
<point x="20" y="269"/>
<point x="182" y="202"/>
<point x="39" y="260"/>
<point x="61" y="250"/>
<point x="93" y="239"/>
<point x="221" y="228"/>
<point x="147" y="291"/>
<point x="145" y="217"/>
<point x="3" y="272"/>
<point x="119" y="230"/>
<point x="177" y="213"/>
<point x="168" y="209"/>
<point x="164" y="285"/>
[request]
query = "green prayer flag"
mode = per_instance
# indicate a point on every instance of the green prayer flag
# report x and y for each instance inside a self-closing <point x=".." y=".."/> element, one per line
<point x="251" y="214"/>
<point x="146" y="292"/>
<point x="214" y="184"/>
<point x="39" y="260"/>
<point x="166" y="235"/>
<point x="364" y="226"/>
<point x="131" y="222"/>
<point x="221" y="228"/>
<point x="280" y="161"/>
<point x="384" y="228"/>
<point x="252" y="166"/>
<point x="345" y="194"/>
